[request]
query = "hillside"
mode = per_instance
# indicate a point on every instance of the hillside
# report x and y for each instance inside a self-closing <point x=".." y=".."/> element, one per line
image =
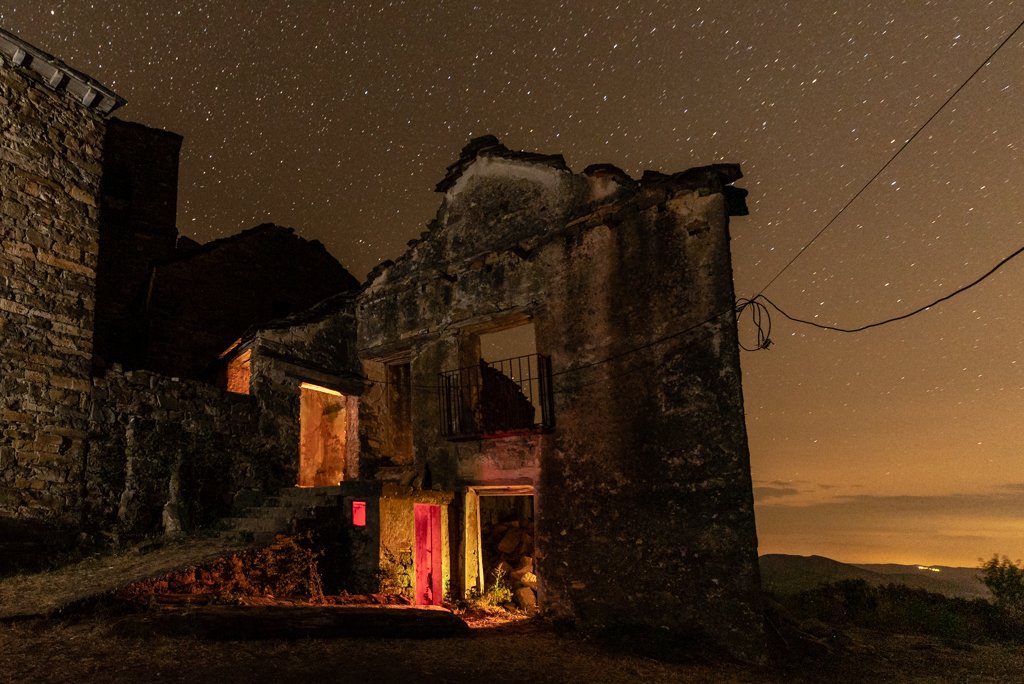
<point x="786" y="574"/>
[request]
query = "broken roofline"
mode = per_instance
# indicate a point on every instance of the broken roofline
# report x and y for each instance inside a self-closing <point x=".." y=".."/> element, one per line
<point x="712" y="177"/>
<point x="491" y="146"/>
<point x="58" y="76"/>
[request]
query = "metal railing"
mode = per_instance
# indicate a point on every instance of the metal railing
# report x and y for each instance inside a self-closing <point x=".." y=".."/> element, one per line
<point x="497" y="398"/>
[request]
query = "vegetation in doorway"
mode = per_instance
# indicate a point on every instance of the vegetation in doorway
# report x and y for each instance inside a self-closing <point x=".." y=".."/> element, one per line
<point x="496" y="595"/>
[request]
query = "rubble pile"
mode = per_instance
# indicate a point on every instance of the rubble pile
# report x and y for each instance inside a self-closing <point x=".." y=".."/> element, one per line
<point x="508" y="558"/>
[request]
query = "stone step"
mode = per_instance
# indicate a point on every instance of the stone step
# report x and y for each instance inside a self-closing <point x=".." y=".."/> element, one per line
<point x="279" y="512"/>
<point x="289" y="495"/>
<point x="260" y="524"/>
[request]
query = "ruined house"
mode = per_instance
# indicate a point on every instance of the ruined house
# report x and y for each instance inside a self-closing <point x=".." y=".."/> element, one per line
<point x="544" y="390"/>
<point x="555" y="393"/>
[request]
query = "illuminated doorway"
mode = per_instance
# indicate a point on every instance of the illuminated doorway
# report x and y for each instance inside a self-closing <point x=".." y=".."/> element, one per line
<point x="429" y="589"/>
<point x="326" y="419"/>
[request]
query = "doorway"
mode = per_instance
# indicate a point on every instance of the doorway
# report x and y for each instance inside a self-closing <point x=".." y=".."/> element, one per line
<point x="429" y="586"/>
<point x="323" y="429"/>
<point x="506" y="543"/>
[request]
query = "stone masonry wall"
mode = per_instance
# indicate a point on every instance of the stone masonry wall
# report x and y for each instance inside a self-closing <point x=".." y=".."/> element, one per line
<point x="644" y="502"/>
<point x="316" y="346"/>
<point x="156" y="441"/>
<point x="50" y="168"/>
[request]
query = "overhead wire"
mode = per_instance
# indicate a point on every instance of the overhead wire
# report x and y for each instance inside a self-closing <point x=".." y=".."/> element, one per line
<point x="761" y="317"/>
<point x="885" y="166"/>
<point x="759" y="309"/>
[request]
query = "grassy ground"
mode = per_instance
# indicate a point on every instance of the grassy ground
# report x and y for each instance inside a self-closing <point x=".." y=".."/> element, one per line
<point x="132" y="647"/>
<point x="94" y="651"/>
<point x="103" y="650"/>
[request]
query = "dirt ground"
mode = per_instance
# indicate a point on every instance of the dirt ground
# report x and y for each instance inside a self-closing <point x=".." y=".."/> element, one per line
<point x="103" y="650"/>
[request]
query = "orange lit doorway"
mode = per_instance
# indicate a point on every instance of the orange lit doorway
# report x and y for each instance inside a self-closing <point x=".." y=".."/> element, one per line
<point x="323" y="427"/>
<point x="429" y="591"/>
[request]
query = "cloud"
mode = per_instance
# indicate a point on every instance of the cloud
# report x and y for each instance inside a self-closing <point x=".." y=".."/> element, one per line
<point x="948" y="529"/>
<point x="924" y="514"/>
<point x="761" y="493"/>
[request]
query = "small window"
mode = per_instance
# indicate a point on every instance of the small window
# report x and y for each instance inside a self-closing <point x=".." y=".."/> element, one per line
<point x="358" y="514"/>
<point x="239" y="373"/>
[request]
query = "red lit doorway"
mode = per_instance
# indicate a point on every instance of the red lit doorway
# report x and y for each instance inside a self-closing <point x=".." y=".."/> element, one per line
<point x="429" y="591"/>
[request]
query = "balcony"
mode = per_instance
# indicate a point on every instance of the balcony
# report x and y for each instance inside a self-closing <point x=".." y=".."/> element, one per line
<point x="497" y="399"/>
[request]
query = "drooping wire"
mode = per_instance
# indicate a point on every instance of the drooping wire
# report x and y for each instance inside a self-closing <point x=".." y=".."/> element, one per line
<point x="763" y="329"/>
<point x="761" y="317"/>
<point x="888" y="163"/>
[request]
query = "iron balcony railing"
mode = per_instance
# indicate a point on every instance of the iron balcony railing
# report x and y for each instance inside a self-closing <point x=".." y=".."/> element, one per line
<point x="497" y="398"/>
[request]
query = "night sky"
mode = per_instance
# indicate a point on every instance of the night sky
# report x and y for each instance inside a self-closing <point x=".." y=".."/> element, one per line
<point x="900" y="444"/>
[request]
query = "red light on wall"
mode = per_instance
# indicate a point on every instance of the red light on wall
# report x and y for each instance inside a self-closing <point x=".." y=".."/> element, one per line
<point x="359" y="514"/>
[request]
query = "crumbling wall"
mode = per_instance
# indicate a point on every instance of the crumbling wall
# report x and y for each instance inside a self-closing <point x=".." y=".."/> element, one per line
<point x="317" y="346"/>
<point x="650" y="453"/>
<point x="50" y="167"/>
<point x="170" y="455"/>
<point x="644" y="503"/>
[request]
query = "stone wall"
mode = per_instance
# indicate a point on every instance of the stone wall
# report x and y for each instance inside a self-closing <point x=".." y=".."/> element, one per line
<point x="165" y="453"/>
<point x="644" y="502"/>
<point x="316" y="346"/>
<point x="50" y="168"/>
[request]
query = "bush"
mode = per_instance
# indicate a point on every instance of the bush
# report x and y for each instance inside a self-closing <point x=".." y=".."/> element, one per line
<point x="1005" y="579"/>
<point x="898" y="608"/>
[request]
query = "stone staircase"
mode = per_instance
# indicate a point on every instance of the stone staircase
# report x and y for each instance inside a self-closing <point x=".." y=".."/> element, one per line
<point x="286" y="512"/>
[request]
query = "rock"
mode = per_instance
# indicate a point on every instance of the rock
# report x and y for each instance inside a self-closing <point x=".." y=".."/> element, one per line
<point x="510" y="542"/>
<point x="528" y="579"/>
<point x="526" y="599"/>
<point x="525" y="543"/>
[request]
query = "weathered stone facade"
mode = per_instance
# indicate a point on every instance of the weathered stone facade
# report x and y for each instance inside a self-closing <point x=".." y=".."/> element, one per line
<point x="87" y="205"/>
<point x="50" y="171"/>
<point x="620" y="429"/>
<point x="642" y="484"/>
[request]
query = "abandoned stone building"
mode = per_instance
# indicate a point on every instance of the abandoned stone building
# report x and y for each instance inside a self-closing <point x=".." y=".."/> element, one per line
<point x="106" y="312"/>
<point x="543" y="390"/>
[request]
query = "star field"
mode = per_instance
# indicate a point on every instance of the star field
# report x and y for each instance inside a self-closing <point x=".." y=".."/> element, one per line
<point x="338" y="118"/>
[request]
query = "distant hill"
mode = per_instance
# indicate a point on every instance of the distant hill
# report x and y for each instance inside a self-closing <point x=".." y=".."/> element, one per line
<point x="785" y="574"/>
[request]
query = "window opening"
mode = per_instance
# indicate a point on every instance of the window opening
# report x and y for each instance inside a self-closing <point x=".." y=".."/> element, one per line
<point x="239" y="373"/>
<point x="508" y="390"/>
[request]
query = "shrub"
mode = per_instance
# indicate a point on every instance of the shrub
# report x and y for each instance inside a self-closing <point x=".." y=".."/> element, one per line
<point x="898" y="608"/>
<point x="1005" y="579"/>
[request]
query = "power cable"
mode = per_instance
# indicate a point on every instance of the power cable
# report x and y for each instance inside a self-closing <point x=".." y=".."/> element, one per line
<point x="758" y="309"/>
<point x="888" y="163"/>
